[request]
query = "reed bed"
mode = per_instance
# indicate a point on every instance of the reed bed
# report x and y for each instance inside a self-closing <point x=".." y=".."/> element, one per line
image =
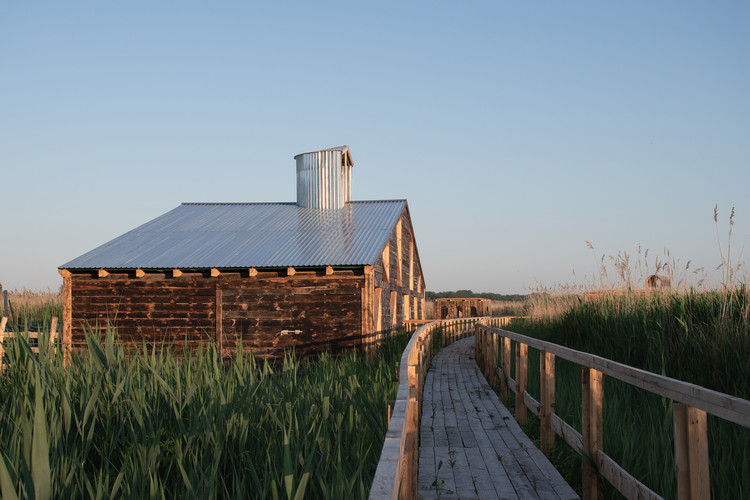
<point x="703" y="338"/>
<point x="153" y="426"/>
<point x="31" y="308"/>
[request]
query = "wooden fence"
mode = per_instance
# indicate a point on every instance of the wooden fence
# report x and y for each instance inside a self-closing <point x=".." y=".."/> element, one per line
<point x="692" y="403"/>
<point x="32" y="336"/>
<point x="396" y="475"/>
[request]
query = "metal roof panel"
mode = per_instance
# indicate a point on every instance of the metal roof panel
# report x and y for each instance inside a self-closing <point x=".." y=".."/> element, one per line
<point x="243" y="235"/>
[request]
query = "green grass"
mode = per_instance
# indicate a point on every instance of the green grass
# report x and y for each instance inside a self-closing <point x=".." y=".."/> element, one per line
<point x="701" y="338"/>
<point x="152" y="426"/>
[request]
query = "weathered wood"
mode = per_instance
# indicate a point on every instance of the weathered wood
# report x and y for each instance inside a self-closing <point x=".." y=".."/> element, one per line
<point x="630" y="487"/>
<point x="176" y="273"/>
<point x="728" y="407"/>
<point x="102" y="273"/>
<point x="522" y="352"/>
<point x="67" y="318"/>
<point x="215" y="273"/>
<point x="52" y="331"/>
<point x="219" y="328"/>
<point x="691" y="452"/>
<point x="252" y="272"/>
<point x="462" y="307"/>
<point x="484" y="453"/>
<point x="411" y="263"/>
<point x="505" y="365"/>
<point x="592" y="427"/>
<point x="140" y="273"/>
<point x="3" y="322"/>
<point x="547" y="391"/>
<point x="399" y="253"/>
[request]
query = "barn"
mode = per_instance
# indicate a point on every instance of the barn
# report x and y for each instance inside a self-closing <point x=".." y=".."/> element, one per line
<point x="324" y="273"/>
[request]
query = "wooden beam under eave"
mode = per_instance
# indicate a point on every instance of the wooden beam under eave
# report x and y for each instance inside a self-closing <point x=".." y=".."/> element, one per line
<point x="290" y="271"/>
<point x="102" y="273"/>
<point x="329" y="270"/>
<point x="64" y="273"/>
<point x="252" y="272"/>
<point x="176" y="273"/>
<point x="140" y="273"/>
<point x="215" y="272"/>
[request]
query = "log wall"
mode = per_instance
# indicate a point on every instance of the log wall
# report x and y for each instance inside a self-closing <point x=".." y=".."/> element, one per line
<point x="268" y="312"/>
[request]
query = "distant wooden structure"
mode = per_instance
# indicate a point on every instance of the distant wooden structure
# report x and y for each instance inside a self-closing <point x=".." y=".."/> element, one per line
<point x="462" y="308"/>
<point x="325" y="273"/>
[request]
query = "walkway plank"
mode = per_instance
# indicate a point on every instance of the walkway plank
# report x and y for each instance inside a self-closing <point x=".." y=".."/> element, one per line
<point x="470" y="444"/>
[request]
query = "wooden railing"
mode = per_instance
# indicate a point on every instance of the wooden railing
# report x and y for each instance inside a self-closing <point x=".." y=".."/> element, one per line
<point x="692" y="403"/>
<point x="32" y="335"/>
<point x="396" y="475"/>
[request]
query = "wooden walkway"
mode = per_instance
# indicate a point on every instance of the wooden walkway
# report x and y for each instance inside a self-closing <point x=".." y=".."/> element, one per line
<point x="470" y="446"/>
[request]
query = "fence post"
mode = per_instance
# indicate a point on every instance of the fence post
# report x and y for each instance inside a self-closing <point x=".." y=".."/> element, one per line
<point x="522" y="357"/>
<point x="3" y="322"/>
<point x="691" y="452"/>
<point x="505" y="365"/>
<point x="592" y="398"/>
<point x="547" y="408"/>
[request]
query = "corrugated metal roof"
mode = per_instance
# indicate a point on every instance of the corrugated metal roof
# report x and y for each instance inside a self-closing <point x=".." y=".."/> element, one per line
<point x="243" y="235"/>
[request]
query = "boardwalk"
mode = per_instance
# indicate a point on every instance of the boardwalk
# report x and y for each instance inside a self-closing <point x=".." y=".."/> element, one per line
<point x="470" y="444"/>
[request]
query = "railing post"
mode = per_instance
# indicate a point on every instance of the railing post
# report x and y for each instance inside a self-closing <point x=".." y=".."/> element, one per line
<point x="691" y="452"/>
<point x="522" y="357"/>
<point x="3" y="322"/>
<point x="547" y="396"/>
<point x="505" y="365"/>
<point x="592" y="402"/>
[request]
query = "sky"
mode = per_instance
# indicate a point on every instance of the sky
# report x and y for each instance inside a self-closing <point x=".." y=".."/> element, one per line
<point x="517" y="131"/>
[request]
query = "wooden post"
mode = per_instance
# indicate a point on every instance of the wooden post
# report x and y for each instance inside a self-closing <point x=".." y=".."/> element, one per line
<point x="67" y="319"/>
<point x="522" y="358"/>
<point x="53" y="332"/>
<point x="592" y="399"/>
<point x="411" y="451"/>
<point x="219" y="323"/>
<point x="547" y="408"/>
<point x="391" y="404"/>
<point x="3" y="322"/>
<point x="505" y="365"/>
<point x="691" y="452"/>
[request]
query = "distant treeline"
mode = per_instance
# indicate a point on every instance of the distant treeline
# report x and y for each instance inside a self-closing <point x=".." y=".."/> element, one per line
<point x="479" y="295"/>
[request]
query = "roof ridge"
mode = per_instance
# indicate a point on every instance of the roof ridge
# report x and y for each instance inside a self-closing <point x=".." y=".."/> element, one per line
<point x="277" y="202"/>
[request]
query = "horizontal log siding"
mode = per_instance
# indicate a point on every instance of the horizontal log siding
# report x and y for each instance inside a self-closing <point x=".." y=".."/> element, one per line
<point x="327" y="310"/>
<point x="178" y="311"/>
<point x="182" y="311"/>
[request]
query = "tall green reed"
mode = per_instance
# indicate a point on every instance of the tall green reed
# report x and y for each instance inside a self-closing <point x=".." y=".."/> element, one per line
<point x="683" y="336"/>
<point x="150" y="425"/>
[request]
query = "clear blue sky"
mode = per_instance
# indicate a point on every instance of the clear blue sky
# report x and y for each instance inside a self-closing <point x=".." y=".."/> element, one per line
<point x="516" y="130"/>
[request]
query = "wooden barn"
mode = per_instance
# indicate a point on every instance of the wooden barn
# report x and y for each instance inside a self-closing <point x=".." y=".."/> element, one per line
<point x="324" y="273"/>
<point x="462" y="308"/>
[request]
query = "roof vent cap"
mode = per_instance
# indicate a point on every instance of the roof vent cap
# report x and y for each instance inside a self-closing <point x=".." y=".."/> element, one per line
<point x="324" y="178"/>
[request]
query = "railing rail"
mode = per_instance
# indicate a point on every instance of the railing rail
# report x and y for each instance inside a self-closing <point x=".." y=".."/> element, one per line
<point x="693" y="402"/>
<point x="396" y="474"/>
<point x="53" y="333"/>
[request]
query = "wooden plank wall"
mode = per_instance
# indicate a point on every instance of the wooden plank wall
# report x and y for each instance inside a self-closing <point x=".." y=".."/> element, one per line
<point x="309" y="313"/>
<point x="462" y="308"/>
<point x="268" y="311"/>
